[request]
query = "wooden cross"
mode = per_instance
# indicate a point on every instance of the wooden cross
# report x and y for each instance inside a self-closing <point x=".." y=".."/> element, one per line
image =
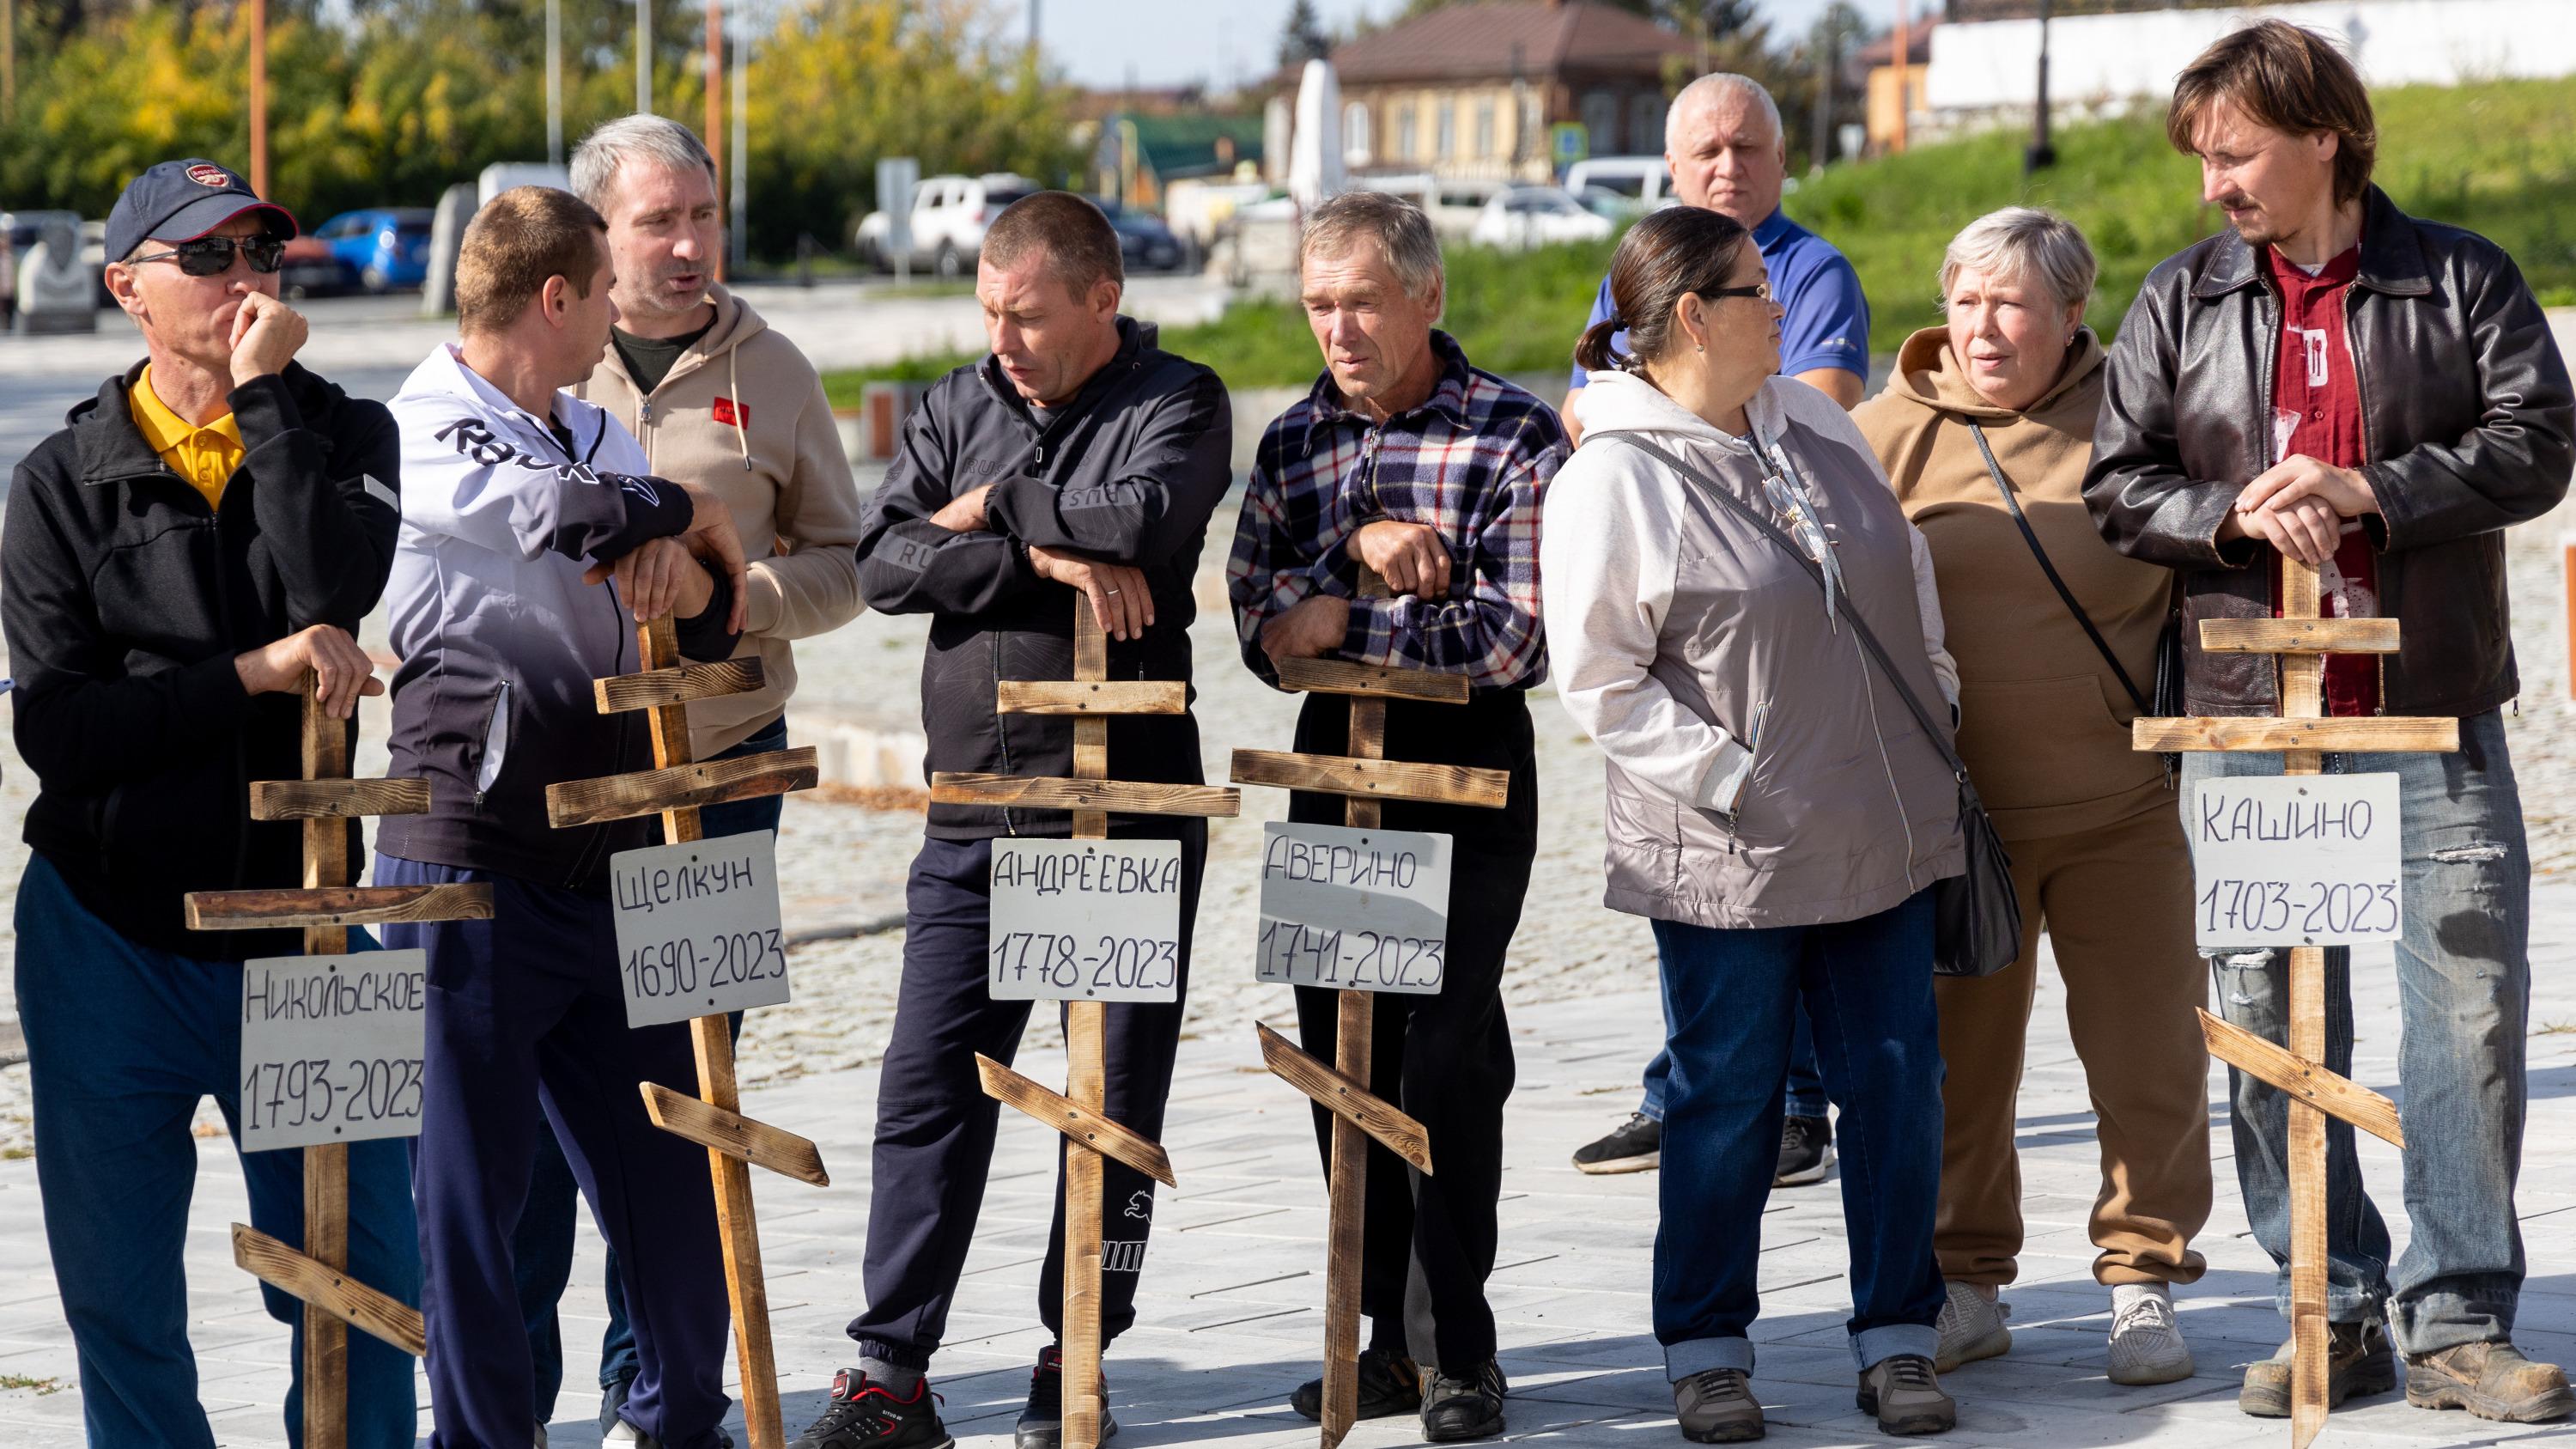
<point x="1079" y="1113"/>
<point x="2301" y="735"/>
<point x="1364" y="778"/>
<point x="713" y="1119"/>
<point x="325" y="908"/>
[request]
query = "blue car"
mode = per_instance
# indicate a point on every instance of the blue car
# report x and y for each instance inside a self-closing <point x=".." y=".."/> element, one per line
<point x="381" y="248"/>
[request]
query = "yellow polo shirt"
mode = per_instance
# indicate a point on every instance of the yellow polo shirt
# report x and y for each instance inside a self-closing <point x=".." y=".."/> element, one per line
<point x="204" y="456"/>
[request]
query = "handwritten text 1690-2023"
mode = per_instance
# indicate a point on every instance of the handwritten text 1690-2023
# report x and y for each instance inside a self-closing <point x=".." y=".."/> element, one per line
<point x="697" y="927"/>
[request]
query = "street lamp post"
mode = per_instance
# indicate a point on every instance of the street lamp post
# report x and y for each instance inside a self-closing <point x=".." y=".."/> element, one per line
<point x="740" y="240"/>
<point x="2041" y="153"/>
<point x="643" y="57"/>
<point x="554" y="82"/>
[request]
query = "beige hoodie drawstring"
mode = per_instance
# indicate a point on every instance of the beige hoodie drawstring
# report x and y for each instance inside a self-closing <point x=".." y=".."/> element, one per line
<point x="733" y="384"/>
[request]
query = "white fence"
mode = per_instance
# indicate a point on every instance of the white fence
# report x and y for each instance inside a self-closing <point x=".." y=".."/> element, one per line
<point x="2101" y="62"/>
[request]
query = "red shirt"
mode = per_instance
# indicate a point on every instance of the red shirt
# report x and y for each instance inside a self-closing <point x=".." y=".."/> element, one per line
<point x="2316" y="410"/>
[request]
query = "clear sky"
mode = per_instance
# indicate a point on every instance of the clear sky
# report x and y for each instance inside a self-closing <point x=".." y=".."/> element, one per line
<point x="1166" y="42"/>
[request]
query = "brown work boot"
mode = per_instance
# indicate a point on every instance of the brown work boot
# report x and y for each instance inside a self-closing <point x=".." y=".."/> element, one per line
<point x="2490" y="1380"/>
<point x="2357" y="1362"/>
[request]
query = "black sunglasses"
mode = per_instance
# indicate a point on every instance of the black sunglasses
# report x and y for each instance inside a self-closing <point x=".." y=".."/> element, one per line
<point x="1758" y="289"/>
<point x="211" y="256"/>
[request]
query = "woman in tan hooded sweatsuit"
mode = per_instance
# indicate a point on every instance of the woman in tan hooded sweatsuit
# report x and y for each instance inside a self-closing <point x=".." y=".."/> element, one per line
<point x="2097" y="846"/>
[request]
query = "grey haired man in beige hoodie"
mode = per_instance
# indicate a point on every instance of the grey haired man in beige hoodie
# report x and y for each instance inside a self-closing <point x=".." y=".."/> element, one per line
<point x="720" y="401"/>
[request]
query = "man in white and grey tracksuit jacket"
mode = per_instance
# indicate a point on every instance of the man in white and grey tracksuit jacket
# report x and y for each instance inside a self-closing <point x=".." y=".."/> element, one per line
<point x="522" y="491"/>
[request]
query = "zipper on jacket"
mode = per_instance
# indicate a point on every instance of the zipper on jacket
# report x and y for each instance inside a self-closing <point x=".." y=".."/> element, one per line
<point x="1001" y="728"/>
<point x="2361" y="395"/>
<point x="483" y="752"/>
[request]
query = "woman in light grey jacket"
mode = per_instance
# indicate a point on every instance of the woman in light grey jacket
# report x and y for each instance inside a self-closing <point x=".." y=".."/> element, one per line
<point x="1773" y="806"/>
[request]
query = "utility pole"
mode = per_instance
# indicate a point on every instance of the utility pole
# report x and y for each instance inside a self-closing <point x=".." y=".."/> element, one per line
<point x="554" y="83"/>
<point x="259" y="97"/>
<point x="8" y="58"/>
<point x="715" y="103"/>
<point x="1033" y="29"/>
<point x="2041" y="153"/>
<point x="1828" y="58"/>
<point x="740" y="238"/>
<point x="1903" y="57"/>
<point x="643" y="57"/>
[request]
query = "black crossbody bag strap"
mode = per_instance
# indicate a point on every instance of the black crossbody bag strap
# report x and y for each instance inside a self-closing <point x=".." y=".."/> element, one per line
<point x="1788" y="545"/>
<point x="2065" y="595"/>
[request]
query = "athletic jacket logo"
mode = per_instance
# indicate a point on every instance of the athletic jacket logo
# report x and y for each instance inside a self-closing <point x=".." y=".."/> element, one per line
<point x="733" y="414"/>
<point x="475" y="441"/>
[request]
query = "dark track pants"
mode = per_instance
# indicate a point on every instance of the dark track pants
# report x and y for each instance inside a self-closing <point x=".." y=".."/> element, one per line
<point x="525" y="1009"/>
<point x="1445" y="1059"/>
<point x="935" y="1126"/>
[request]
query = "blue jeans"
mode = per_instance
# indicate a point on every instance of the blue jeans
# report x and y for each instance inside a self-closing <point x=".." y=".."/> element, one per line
<point x="122" y="1042"/>
<point x="543" y="1246"/>
<point x="1806" y="1084"/>
<point x="1730" y="999"/>
<point x="2464" y="993"/>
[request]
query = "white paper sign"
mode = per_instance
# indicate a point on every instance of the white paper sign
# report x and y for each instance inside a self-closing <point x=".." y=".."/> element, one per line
<point x="697" y="927"/>
<point x="1362" y="910"/>
<point x="1085" y="920"/>
<point x="2298" y="860"/>
<point x="330" y="1048"/>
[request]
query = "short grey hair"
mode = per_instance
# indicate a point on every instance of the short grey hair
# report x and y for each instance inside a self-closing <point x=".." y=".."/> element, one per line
<point x="657" y="139"/>
<point x="2026" y="243"/>
<point x="1402" y="232"/>
<point x="1709" y="89"/>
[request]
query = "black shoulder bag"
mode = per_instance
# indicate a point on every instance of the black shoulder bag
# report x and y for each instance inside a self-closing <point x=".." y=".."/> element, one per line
<point x="2168" y="644"/>
<point x="1976" y="916"/>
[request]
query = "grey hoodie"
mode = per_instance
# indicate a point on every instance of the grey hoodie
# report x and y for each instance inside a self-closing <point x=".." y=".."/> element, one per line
<point x="1762" y="771"/>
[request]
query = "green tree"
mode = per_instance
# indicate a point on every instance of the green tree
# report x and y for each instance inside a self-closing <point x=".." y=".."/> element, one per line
<point x="1303" y="39"/>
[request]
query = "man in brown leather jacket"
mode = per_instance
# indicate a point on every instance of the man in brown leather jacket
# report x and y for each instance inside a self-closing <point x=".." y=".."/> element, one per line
<point x="2379" y="397"/>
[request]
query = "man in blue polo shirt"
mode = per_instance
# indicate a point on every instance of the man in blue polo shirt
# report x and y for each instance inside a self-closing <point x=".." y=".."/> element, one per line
<point x="1723" y="142"/>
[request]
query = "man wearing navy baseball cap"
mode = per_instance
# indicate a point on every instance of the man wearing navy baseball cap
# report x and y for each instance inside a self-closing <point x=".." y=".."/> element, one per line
<point x="188" y="549"/>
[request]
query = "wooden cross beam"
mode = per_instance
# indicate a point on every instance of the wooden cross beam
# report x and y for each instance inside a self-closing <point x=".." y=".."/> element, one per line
<point x="675" y="789"/>
<point x="1090" y="697"/>
<point x="1364" y="778"/>
<point x="325" y="799"/>
<point x="2301" y="735"/>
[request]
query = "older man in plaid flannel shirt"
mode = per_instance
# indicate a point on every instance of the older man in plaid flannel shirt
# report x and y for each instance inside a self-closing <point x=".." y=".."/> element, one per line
<point x="1409" y="461"/>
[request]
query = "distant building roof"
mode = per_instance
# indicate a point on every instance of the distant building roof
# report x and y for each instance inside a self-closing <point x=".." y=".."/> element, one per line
<point x="1918" y="45"/>
<point x="1482" y="41"/>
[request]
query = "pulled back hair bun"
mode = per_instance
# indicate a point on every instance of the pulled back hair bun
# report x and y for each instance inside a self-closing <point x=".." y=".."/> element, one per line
<point x="1673" y="253"/>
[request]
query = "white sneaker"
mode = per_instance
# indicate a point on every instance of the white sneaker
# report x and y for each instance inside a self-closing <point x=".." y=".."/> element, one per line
<point x="1972" y="1327"/>
<point x="2146" y="1343"/>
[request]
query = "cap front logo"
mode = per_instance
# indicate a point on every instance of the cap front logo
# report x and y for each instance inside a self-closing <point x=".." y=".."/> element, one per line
<point x="210" y="176"/>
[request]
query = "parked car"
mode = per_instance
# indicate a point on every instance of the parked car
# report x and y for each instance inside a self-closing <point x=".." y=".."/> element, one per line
<point x="949" y="214"/>
<point x="1457" y="203"/>
<point x="381" y="248"/>
<point x="1644" y="181"/>
<point x="1537" y="216"/>
<point x="310" y="269"/>
<point x="1143" y="240"/>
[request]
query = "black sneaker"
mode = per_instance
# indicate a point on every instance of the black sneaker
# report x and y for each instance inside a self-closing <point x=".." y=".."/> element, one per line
<point x="1390" y="1384"/>
<point x="1636" y="1145"/>
<point x="1042" y="1422"/>
<point x="867" y="1415"/>
<point x="1806" y="1150"/>
<point x="1463" y="1408"/>
<point x="612" y="1397"/>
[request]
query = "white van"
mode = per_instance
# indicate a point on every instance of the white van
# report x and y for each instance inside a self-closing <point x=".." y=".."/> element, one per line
<point x="1643" y="180"/>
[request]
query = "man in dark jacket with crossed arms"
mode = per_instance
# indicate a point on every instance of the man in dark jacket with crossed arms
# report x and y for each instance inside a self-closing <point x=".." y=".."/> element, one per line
<point x="1076" y="464"/>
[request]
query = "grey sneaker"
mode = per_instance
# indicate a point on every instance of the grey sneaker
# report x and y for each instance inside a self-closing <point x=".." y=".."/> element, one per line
<point x="1903" y="1392"/>
<point x="1972" y="1327"/>
<point x="2490" y="1380"/>
<point x="2357" y="1362"/>
<point x="1716" y="1406"/>
<point x="2146" y="1343"/>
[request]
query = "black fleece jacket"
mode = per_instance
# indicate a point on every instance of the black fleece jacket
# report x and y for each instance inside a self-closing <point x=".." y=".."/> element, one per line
<point x="125" y="599"/>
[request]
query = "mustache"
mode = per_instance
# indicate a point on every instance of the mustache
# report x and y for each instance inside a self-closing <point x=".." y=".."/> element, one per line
<point x="2237" y="201"/>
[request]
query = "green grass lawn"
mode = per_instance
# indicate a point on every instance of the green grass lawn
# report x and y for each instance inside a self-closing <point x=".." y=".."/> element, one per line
<point x="2498" y="158"/>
